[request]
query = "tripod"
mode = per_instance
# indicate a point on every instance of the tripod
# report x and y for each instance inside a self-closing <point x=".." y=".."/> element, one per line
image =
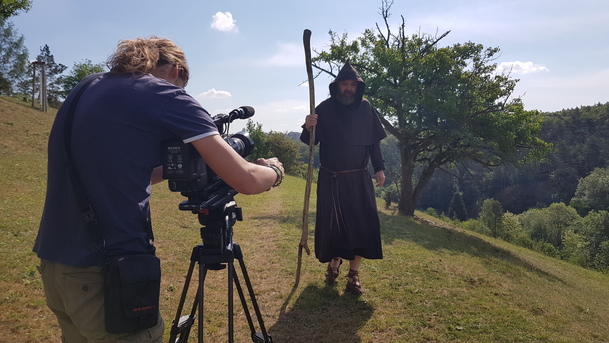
<point x="216" y="253"/>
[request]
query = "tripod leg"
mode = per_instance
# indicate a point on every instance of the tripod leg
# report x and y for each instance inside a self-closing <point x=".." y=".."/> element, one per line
<point x="246" y="310"/>
<point x="178" y="328"/>
<point x="182" y="325"/>
<point x="201" y="298"/>
<point x="263" y="336"/>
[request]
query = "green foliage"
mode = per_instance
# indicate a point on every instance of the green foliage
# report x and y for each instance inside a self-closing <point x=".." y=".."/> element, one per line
<point x="513" y="232"/>
<point x="276" y="144"/>
<point x="595" y="226"/>
<point x="491" y="214"/>
<point x="545" y="248"/>
<point x="259" y="137"/>
<point x="556" y="231"/>
<point x="475" y="225"/>
<point x="391" y="157"/>
<point x="9" y="8"/>
<point x="13" y="57"/>
<point x="575" y="248"/>
<point x="601" y="259"/>
<point x="443" y="104"/>
<point x="549" y="224"/>
<point x="432" y="212"/>
<point x="79" y="72"/>
<point x="580" y="140"/>
<point x="581" y="143"/>
<point x="457" y="209"/>
<point x="592" y="192"/>
<point x="287" y="151"/>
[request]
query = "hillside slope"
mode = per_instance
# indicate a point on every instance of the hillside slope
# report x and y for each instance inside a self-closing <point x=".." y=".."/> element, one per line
<point x="435" y="284"/>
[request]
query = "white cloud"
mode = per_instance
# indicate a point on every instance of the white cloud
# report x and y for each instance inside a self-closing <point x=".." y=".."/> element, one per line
<point x="518" y="67"/>
<point x="214" y="94"/>
<point x="224" y="22"/>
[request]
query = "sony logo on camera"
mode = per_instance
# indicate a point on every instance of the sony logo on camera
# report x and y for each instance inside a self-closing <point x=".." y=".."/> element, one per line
<point x="183" y="167"/>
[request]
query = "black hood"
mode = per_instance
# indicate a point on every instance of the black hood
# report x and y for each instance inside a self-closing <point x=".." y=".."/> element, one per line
<point x="348" y="73"/>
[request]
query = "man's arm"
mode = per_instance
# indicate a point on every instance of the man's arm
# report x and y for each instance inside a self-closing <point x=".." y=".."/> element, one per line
<point x="241" y="175"/>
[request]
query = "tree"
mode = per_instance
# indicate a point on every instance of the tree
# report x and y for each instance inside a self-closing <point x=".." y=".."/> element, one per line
<point x="53" y="76"/>
<point x="581" y="143"/>
<point x="595" y="227"/>
<point x="13" y="58"/>
<point x="79" y="72"/>
<point x="601" y="259"/>
<point x="592" y="192"/>
<point x="549" y="224"/>
<point x="456" y="209"/>
<point x="444" y="105"/>
<point x="9" y="8"/>
<point x="287" y="151"/>
<point x="259" y="138"/>
<point x="491" y="214"/>
<point x="576" y="248"/>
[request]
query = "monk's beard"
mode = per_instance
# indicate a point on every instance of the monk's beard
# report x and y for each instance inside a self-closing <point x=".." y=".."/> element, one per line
<point x="346" y="98"/>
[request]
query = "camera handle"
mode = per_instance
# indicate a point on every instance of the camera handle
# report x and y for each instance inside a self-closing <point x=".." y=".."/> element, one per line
<point x="212" y="258"/>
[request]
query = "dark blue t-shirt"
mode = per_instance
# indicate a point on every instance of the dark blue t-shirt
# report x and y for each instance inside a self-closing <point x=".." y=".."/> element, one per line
<point x="119" y="125"/>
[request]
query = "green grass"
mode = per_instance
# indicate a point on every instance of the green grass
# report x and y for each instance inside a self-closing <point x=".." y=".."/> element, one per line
<point x="435" y="284"/>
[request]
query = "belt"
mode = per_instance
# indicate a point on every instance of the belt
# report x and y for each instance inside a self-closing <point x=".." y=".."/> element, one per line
<point x="337" y="214"/>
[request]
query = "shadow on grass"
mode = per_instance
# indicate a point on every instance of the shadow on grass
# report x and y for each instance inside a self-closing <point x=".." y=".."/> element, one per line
<point x="453" y="240"/>
<point x="321" y="315"/>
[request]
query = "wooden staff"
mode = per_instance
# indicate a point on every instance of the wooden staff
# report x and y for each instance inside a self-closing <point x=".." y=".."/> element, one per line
<point x="305" y="211"/>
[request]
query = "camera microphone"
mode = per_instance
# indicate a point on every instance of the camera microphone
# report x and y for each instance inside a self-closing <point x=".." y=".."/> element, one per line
<point x="222" y="120"/>
<point x="242" y="112"/>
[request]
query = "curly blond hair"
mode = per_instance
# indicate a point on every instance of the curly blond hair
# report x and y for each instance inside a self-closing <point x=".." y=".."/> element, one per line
<point x="142" y="55"/>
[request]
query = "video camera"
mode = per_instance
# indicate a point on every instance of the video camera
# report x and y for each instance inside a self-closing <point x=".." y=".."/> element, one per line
<point x="188" y="173"/>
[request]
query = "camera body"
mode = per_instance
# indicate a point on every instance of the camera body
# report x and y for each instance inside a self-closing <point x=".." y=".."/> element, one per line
<point x="187" y="172"/>
<point x="183" y="167"/>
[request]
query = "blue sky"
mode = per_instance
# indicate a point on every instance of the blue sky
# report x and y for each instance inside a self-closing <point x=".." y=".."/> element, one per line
<point x="245" y="52"/>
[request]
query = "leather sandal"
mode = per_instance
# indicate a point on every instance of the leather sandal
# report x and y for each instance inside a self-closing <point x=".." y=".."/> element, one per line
<point x="354" y="285"/>
<point x="332" y="272"/>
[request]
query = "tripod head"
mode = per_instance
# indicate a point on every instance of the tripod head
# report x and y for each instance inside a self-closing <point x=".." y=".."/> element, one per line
<point x="217" y="232"/>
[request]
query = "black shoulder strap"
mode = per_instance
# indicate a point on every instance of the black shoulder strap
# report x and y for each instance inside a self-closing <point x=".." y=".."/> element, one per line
<point x="86" y="211"/>
<point x="67" y="132"/>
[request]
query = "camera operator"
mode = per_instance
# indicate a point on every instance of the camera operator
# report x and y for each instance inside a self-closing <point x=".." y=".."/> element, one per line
<point x="118" y="126"/>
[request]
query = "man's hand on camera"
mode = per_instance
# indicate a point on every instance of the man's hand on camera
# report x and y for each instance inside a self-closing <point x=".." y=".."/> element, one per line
<point x="277" y="167"/>
<point x="270" y="161"/>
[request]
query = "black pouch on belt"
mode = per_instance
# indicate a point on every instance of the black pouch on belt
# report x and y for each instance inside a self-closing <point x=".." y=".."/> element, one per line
<point x="131" y="293"/>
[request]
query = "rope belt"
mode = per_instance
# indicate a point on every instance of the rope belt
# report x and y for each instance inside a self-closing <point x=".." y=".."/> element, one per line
<point x="337" y="214"/>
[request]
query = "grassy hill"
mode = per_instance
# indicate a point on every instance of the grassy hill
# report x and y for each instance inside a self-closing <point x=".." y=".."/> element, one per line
<point x="435" y="284"/>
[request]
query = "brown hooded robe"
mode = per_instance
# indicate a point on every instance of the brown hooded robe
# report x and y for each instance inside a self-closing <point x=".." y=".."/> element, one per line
<point x="347" y="222"/>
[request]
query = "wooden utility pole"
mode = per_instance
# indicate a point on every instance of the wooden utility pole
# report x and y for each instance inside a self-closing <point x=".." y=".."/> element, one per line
<point x="42" y="94"/>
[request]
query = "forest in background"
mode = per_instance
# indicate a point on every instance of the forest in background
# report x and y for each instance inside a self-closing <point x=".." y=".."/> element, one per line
<point x="580" y="144"/>
<point x="558" y="206"/>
